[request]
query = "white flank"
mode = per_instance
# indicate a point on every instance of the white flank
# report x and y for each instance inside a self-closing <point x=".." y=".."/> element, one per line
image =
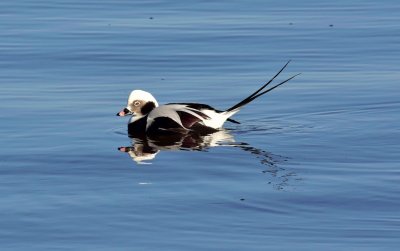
<point x="216" y="120"/>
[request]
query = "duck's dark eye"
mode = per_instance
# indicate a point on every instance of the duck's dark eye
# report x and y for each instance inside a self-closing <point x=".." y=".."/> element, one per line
<point x="136" y="103"/>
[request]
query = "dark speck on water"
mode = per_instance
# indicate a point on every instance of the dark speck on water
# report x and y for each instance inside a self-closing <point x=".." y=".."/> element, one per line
<point x="313" y="165"/>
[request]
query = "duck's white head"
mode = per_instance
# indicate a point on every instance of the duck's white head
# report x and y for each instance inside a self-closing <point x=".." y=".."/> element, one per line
<point x="139" y="104"/>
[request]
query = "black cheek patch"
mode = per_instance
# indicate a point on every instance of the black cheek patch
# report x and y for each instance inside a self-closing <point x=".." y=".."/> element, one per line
<point x="148" y="107"/>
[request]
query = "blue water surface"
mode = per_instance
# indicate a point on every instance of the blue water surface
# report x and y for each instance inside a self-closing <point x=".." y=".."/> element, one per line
<point x="314" y="165"/>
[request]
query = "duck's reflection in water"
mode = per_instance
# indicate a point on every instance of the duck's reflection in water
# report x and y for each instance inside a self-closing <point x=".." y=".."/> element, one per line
<point x="145" y="148"/>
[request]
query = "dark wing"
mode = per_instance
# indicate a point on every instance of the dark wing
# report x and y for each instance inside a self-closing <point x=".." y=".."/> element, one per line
<point x="200" y="107"/>
<point x="173" y="116"/>
<point x="187" y="119"/>
<point x="196" y="106"/>
<point x="165" y="124"/>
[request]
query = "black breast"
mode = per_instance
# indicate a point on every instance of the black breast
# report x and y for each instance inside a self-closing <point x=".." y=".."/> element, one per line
<point x="137" y="129"/>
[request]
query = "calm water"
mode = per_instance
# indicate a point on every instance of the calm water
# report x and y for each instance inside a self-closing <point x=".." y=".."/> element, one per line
<point x="315" y="164"/>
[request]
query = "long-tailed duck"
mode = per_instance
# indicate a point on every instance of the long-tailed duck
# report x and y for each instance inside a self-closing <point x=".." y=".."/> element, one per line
<point x="148" y="117"/>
